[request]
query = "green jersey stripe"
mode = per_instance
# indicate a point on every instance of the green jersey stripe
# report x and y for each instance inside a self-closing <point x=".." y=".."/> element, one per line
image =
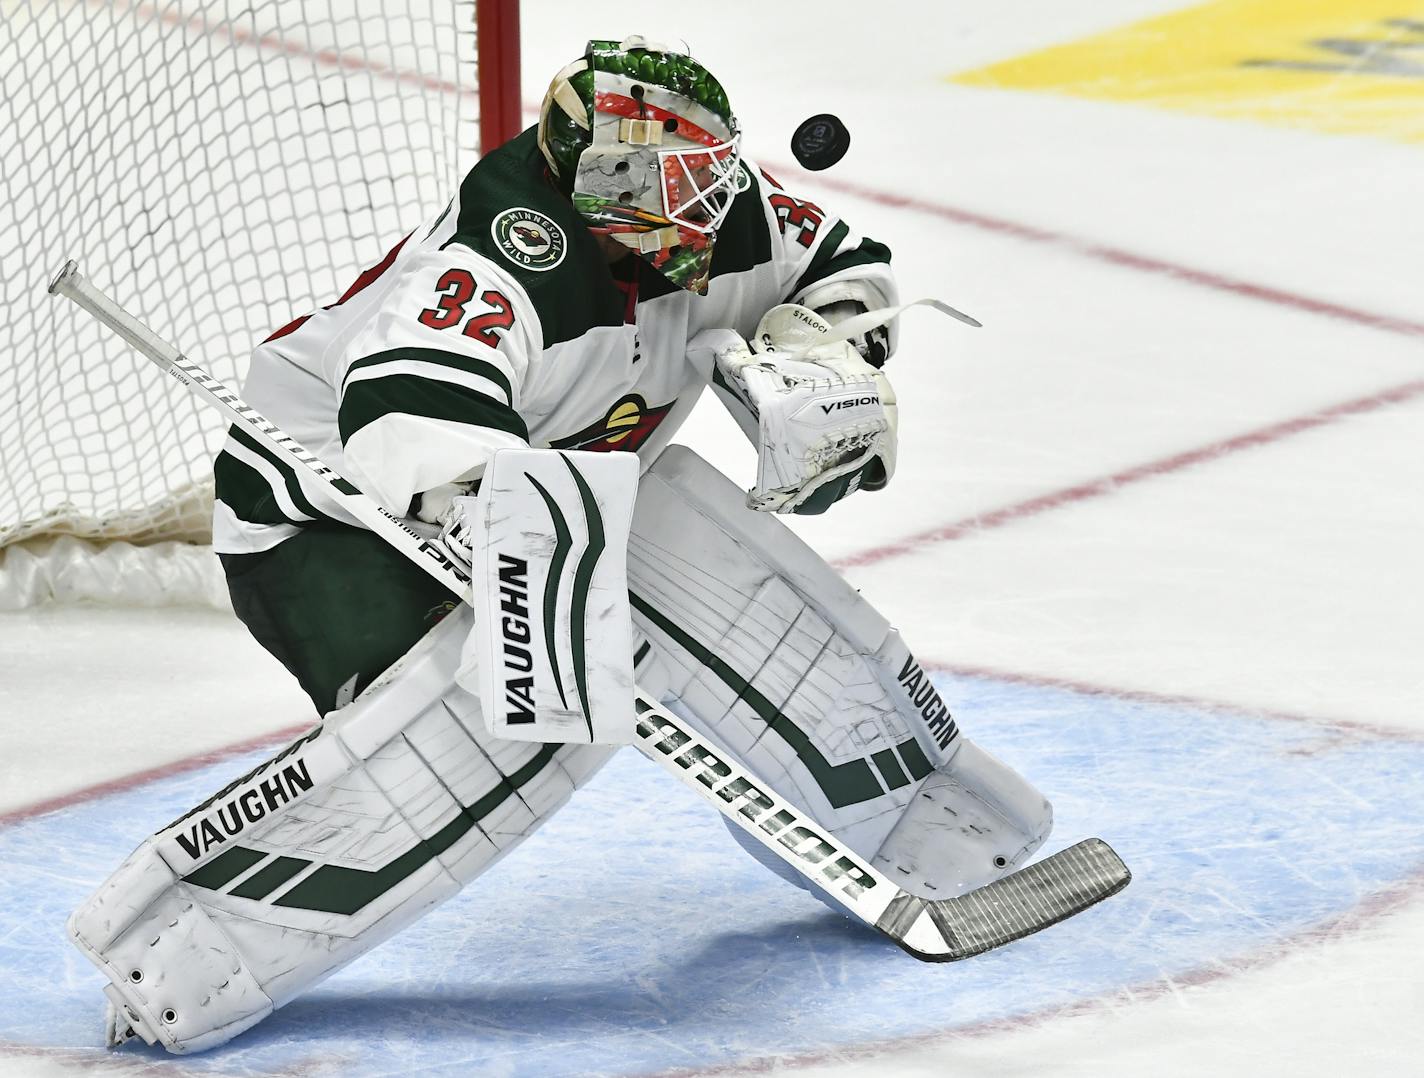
<point x="435" y="357"/>
<point x="368" y="400"/>
<point x="441" y="219"/>
<point x="433" y="372"/>
<point x="285" y="468"/>
<point x="571" y="298"/>
<point x="830" y="260"/>
<point x="825" y="251"/>
<point x="247" y="493"/>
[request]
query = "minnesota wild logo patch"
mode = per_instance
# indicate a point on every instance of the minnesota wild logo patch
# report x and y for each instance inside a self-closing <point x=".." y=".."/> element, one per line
<point x="629" y="422"/>
<point x="528" y="238"/>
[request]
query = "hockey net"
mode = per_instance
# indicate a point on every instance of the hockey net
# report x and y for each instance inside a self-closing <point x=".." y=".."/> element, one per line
<point x="219" y="168"/>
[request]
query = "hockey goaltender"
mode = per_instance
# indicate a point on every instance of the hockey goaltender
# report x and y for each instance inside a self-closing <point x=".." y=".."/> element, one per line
<point x="507" y="380"/>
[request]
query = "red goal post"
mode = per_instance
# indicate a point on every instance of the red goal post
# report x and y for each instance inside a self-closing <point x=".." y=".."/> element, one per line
<point x="501" y="108"/>
<point x="221" y="166"/>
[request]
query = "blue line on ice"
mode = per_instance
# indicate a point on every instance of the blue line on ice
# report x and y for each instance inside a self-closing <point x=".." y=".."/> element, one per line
<point x="612" y="945"/>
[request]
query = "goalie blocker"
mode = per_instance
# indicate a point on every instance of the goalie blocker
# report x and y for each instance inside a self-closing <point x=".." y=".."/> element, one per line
<point x="551" y="655"/>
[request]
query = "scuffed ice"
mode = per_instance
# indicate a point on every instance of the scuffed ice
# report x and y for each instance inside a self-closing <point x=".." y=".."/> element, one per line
<point x="630" y="935"/>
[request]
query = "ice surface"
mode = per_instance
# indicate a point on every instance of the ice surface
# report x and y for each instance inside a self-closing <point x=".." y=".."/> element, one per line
<point x="1275" y="917"/>
<point x="631" y="936"/>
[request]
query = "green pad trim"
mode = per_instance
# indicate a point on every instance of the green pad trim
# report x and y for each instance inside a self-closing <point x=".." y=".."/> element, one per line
<point x="224" y="868"/>
<point x="262" y="883"/>
<point x="890" y="769"/>
<point x="337" y="889"/>
<point x="915" y="759"/>
<point x="844" y="784"/>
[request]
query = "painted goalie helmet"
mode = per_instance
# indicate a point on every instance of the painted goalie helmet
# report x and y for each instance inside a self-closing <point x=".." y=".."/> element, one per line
<point x="642" y="139"/>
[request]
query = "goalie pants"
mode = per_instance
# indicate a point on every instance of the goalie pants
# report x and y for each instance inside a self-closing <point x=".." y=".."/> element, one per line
<point x="336" y="606"/>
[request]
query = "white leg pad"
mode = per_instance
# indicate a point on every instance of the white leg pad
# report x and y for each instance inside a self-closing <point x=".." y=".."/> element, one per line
<point x="183" y="982"/>
<point x="351" y="833"/>
<point x="970" y="822"/>
<point x="773" y="655"/>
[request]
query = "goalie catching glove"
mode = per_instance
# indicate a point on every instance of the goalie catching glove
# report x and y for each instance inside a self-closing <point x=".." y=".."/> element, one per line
<point x="824" y="422"/>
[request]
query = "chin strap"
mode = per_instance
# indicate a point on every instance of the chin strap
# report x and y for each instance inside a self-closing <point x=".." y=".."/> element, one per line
<point x="648" y="242"/>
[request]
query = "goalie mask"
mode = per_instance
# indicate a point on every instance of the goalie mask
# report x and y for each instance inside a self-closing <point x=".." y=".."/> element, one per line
<point x="644" y="142"/>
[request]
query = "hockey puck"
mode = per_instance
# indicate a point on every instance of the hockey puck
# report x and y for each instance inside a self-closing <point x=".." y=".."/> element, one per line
<point x="820" y="142"/>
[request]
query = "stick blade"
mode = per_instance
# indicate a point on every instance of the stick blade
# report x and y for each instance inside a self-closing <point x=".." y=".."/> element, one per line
<point x="1020" y="904"/>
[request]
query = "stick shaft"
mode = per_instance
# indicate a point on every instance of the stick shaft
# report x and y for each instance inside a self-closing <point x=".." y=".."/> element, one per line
<point x="71" y="284"/>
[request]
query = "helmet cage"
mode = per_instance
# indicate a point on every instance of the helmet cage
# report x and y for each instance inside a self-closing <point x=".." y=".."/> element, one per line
<point x="699" y="185"/>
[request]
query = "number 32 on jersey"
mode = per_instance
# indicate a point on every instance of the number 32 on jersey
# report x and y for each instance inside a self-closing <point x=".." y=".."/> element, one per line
<point x="455" y="289"/>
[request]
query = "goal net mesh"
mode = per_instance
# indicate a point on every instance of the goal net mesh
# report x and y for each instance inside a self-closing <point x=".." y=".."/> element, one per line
<point x="219" y="168"/>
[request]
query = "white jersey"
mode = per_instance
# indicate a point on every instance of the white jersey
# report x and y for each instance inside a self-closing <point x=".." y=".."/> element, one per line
<point x="499" y="323"/>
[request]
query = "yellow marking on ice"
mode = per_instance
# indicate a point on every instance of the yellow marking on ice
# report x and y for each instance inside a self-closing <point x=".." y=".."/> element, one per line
<point x="1352" y="67"/>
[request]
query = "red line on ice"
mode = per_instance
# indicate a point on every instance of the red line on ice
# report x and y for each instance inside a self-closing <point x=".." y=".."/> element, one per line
<point x="986" y="222"/>
<point x="1370" y="910"/>
<point x="1111" y="484"/>
<point x="152" y="774"/>
<point x="1337" y="730"/>
<point x="1119" y="257"/>
<point x="1097" y="488"/>
<point x="279" y="737"/>
<point x="277" y="41"/>
<point x="1365" y="914"/>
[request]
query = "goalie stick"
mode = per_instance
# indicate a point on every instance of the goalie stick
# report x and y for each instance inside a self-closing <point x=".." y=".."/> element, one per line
<point x="935" y="930"/>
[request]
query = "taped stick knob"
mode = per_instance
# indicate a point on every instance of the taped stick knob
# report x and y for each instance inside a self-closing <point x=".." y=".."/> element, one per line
<point x="68" y="272"/>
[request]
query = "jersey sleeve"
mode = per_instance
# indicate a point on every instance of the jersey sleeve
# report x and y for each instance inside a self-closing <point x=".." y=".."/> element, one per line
<point x="819" y="258"/>
<point x="431" y="388"/>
